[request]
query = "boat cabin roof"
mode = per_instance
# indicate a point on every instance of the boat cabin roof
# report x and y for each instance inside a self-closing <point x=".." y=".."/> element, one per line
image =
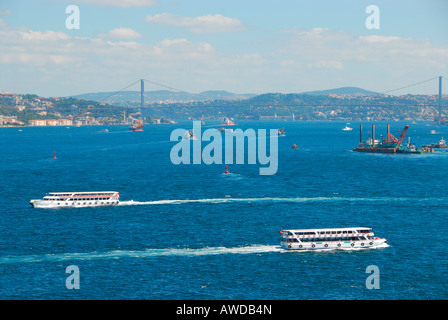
<point x="89" y="192"/>
<point x="327" y="229"/>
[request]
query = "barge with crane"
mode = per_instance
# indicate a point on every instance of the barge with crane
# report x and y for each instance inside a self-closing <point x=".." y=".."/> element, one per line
<point x="390" y="144"/>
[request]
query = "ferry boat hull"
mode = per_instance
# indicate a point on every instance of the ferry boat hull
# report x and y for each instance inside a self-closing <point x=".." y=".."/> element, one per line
<point x="332" y="245"/>
<point x="319" y="239"/>
<point x="56" y="200"/>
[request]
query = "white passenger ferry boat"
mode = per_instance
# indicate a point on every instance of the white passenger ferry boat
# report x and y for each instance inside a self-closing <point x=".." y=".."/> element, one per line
<point x="77" y="199"/>
<point x="331" y="238"/>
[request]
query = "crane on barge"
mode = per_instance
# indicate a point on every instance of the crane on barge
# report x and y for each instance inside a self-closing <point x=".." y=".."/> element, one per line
<point x="389" y="145"/>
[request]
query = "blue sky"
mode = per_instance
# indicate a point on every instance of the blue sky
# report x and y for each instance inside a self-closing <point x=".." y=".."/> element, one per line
<point x="243" y="46"/>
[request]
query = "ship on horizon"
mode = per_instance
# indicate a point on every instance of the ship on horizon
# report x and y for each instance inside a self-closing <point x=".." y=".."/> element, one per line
<point x="137" y="126"/>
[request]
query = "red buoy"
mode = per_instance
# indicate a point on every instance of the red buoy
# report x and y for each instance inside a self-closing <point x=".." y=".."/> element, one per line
<point x="227" y="170"/>
<point x="54" y="155"/>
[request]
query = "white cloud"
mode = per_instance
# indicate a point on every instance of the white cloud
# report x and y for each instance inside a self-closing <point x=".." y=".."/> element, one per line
<point x="323" y="48"/>
<point x="119" y="3"/>
<point x="43" y="36"/>
<point x="328" y="65"/>
<point x="121" y="33"/>
<point x="379" y="39"/>
<point x="66" y="64"/>
<point x="5" y="13"/>
<point x="201" y="24"/>
<point x="295" y="60"/>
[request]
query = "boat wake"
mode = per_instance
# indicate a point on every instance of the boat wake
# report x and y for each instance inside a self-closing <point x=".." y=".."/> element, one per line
<point x="117" y="254"/>
<point x="180" y="252"/>
<point x="274" y="199"/>
<point x="220" y="200"/>
<point x="147" y="253"/>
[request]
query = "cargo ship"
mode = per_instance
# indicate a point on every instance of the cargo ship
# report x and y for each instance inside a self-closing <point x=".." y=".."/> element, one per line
<point x="137" y="126"/>
<point x="390" y="144"/>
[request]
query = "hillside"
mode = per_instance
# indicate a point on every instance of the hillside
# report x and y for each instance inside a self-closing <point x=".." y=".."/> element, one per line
<point x="342" y="91"/>
<point x="162" y="95"/>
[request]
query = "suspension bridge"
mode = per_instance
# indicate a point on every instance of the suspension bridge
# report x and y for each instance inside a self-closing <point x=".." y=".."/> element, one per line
<point x="388" y="92"/>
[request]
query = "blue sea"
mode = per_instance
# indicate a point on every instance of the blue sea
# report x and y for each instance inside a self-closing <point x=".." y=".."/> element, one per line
<point x="194" y="233"/>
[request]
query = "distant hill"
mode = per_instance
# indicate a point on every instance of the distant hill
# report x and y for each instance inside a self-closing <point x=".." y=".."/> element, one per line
<point x="211" y="95"/>
<point x="342" y="91"/>
<point x="162" y="95"/>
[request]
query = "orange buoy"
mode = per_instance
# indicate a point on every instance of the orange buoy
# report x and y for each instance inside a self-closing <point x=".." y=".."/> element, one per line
<point x="227" y="170"/>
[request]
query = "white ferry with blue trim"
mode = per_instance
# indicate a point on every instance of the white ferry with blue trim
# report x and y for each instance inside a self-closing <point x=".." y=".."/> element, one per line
<point x="330" y="238"/>
<point x="77" y="199"/>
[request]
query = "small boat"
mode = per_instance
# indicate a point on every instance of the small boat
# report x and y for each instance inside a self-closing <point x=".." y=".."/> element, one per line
<point x="331" y="238"/>
<point x="225" y="129"/>
<point x="104" y="130"/>
<point x="189" y="135"/>
<point x="281" y="132"/>
<point x="369" y="142"/>
<point x="440" y="145"/>
<point x="347" y="128"/>
<point x="433" y="132"/>
<point x="294" y="146"/>
<point x="227" y="122"/>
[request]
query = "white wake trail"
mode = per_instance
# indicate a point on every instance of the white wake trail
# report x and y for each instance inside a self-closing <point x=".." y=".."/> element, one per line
<point x="116" y="254"/>
<point x="168" y="252"/>
<point x="279" y="199"/>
